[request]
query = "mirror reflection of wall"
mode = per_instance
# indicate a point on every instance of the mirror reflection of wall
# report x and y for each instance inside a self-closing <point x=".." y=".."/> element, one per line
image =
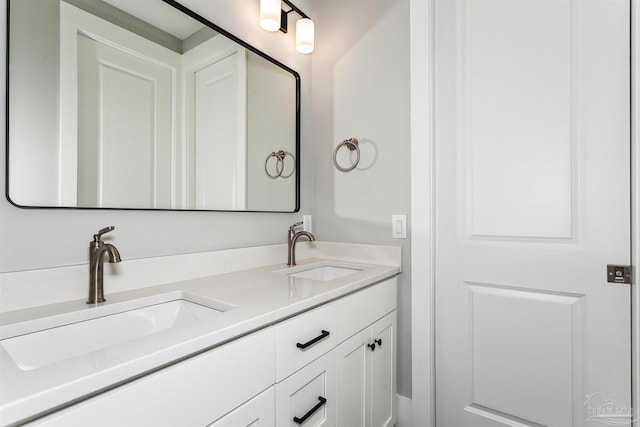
<point x="106" y="109"/>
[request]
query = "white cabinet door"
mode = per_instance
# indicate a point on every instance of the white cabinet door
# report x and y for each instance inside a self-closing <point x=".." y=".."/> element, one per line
<point x="308" y="397"/>
<point x="366" y="376"/>
<point x="353" y="383"/>
<point x="383" y="371"/>
<point x="257" y="412"/>
<point x="532" y="202"/>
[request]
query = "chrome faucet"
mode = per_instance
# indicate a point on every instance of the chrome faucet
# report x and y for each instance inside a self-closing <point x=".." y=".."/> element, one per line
<point x="97" y="250"/>
<point x="292" y="238"/>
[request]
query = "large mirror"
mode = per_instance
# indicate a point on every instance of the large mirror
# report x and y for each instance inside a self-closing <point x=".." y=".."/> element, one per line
<point x="145" y="105"/>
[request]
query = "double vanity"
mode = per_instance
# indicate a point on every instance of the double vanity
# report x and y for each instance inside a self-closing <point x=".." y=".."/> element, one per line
<point x="308" y="345"/>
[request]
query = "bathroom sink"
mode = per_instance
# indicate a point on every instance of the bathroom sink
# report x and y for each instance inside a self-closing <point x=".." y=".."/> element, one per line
<point x="96" y="328"/>
<point x="322" y="273"/>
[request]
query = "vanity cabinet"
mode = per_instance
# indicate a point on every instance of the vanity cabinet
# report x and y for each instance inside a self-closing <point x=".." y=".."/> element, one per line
<point x="315" y="369"/>
<point x="354" y="382"/>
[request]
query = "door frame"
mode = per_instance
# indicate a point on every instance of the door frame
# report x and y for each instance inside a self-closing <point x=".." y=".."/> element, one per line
<point x="422" y="82"/>
<point x="635" y="210"/>
<point x="422" y="57"/>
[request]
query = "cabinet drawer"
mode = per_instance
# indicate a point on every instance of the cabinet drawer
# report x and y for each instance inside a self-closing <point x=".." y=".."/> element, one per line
<point x="303" y="339"/>
<point x="259" y="411"/>
<point x="308" y="396"/>
<point x="194" y="392"/>
<point x="360" y="309"/>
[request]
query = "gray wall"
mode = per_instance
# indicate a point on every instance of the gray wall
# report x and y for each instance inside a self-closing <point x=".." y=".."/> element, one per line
<point x="361" y="90"/>
<point x="38" y="238"/>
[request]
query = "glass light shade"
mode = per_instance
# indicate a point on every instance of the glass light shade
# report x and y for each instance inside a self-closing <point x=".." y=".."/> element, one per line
<point x="270" y="11"/>
<point x="305" y="38"/>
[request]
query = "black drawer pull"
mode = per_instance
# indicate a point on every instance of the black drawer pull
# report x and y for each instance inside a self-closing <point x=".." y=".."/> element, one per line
<point x="323" y="335"/>
<point x="319" y="405"/>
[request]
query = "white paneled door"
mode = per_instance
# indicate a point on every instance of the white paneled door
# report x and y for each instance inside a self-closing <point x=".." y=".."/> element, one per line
<point x="219" y="127"/>
<point x="215" y="78"/>
<point x="532" y="202"/>
<point x="125" y="111"/>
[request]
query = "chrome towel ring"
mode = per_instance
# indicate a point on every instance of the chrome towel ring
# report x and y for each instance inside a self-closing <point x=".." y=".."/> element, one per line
<point x="279" y="157"/>
<point x="352" y="145"/>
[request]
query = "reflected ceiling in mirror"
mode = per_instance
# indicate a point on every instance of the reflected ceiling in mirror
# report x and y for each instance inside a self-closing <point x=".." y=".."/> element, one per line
<point x="145" y="105"/>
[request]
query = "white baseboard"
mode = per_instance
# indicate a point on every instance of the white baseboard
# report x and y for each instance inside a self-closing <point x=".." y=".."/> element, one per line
<point x="404" y="412"/>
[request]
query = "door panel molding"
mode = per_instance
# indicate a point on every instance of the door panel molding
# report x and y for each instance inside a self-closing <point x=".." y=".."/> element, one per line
<point x="535" y="340"/>
<point x="504" y="144"/>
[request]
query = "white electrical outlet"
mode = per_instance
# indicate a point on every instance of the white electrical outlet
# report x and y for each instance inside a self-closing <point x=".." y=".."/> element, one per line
<point x="399" y="226"/>
<point x="307" y="223"/>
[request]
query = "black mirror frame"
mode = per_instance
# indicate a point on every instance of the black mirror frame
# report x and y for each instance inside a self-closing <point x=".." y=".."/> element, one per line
<point x="209" y="24"/>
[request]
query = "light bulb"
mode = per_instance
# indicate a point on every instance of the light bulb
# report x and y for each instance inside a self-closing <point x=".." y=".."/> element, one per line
<point x="305" y="35"/>
<point x="270" y="11"/>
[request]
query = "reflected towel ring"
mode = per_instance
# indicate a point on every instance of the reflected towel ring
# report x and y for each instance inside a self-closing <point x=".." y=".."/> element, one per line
<point x="352" y="145"/>
<point x="293" y="169"/>
<point x="280" y="156"/>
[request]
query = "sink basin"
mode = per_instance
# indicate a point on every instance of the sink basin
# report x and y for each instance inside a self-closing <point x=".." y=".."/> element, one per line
<point x="101" y="328"/>
<point x="324" y="273"/>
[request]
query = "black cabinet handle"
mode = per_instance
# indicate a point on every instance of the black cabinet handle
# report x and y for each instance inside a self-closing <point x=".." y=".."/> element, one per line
<point x="323" y="335"/>
<point x="372" y="346"/>
<point x="319" y="405"/>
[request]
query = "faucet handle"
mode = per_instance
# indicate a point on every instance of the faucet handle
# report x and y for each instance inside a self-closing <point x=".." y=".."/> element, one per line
<point x="297" y="224"/>
<point x="98" y="236"/>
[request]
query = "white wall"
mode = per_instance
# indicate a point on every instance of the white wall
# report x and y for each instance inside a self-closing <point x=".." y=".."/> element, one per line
<point x="37" y="238"/>
<point x="361" y="90"/>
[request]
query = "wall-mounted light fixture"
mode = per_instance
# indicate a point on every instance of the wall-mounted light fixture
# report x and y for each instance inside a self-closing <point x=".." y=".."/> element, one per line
<point x="274" y="18"/>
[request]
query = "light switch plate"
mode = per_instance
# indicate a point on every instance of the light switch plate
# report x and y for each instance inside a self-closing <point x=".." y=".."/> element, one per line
<point x="307" y="223"/>
<point x="399" y="226"/>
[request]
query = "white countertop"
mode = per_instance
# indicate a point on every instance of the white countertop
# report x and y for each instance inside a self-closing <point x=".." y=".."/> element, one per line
<point x="261" y="296"/>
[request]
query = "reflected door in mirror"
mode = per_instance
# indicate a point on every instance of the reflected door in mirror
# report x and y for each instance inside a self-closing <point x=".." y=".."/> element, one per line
<point x="125" y="113"/>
